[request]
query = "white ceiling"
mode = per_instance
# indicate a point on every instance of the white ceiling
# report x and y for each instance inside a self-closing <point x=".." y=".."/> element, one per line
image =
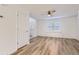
<point x="39" y="11"/>
<point x="62" y="10"/>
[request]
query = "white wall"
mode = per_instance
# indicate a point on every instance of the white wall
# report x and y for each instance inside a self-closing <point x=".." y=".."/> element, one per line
<point x="7" y="30"/>
<point x="33" y="27"/>
<point x="68" y="28"/>
<point x="78" y="25"/>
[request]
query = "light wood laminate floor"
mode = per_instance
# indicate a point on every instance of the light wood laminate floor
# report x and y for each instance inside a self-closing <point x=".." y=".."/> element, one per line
<point x="51" y="46"/>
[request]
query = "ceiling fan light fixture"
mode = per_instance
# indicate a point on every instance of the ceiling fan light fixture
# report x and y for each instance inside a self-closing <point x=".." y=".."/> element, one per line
<point x="51" y="12"/>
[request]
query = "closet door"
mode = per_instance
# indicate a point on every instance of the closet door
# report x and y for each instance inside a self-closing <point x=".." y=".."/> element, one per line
<point x="22" y="29"/>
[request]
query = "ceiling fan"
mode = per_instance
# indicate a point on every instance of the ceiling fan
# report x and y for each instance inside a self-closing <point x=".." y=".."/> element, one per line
<point x="50" y="13"/>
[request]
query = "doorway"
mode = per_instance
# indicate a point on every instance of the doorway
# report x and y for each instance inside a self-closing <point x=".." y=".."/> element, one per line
<point x="33" y="27"/>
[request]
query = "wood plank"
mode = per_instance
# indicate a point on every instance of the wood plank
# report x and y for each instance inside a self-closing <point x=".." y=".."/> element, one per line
<point x="51" y="46"/>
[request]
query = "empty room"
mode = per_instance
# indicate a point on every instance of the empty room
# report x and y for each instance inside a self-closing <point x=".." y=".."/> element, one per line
<point x="39" y="29"/>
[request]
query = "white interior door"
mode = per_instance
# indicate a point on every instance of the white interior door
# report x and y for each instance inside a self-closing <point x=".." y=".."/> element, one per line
<point x="22" y="29"/>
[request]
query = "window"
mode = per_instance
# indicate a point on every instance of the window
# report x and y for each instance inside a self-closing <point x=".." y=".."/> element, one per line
<point x="54" y="25"/>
